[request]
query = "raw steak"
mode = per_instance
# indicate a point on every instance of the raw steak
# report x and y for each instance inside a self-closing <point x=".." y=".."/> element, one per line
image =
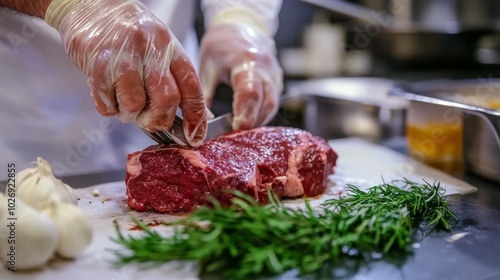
<point x="173" y="179"/>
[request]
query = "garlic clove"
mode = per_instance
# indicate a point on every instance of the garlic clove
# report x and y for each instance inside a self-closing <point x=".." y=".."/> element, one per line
<point x="25" y="174"/>
<point x="32" y="238"/>
<point x="69" y="196"/>
<point x="37" y="186"/>
<point x="24" y="188"/>
<point x="73" y="227"/>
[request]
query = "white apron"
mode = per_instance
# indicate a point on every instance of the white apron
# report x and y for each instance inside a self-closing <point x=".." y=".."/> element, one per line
<point x="45" y="105"/>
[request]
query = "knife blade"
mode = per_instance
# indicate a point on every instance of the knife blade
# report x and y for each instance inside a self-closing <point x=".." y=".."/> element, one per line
<point x="215" y="127"/>
<point x="219" y="126"/>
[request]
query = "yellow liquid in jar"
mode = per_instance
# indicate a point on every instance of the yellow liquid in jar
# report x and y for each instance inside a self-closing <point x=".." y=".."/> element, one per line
<point x="438" y="145"/>
<point x="494" y="104"/>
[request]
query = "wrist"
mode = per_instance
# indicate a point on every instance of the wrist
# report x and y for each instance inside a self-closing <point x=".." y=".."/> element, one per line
<point x="240" y="16"/>
<point x="36" y="8"/>
<point x="44" y="4"/>
<point x="56" y="11"/>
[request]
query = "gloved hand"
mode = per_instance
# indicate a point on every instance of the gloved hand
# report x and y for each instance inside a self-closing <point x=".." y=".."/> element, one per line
<point x="136" y="68"/>
<point x="242" y="54"/>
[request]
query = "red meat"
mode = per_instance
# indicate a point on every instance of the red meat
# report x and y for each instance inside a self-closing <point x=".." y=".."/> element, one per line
<point x="175" y="179"/>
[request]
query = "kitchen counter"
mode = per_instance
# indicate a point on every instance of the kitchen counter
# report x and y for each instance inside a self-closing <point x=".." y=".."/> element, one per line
<point x="470" y="251"/>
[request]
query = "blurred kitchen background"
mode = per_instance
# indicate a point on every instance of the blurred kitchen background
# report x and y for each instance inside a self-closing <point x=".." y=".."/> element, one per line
<point x="393" y="39"/>
<point x="389" y="38"/>
<point x="342" y="58"/>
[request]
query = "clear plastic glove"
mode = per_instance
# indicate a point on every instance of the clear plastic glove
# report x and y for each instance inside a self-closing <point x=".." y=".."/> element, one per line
<point x="136" y="68"/>
<point x="241" y="55"/>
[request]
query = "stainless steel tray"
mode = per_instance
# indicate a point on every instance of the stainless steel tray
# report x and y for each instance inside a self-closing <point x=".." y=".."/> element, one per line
<point x="481" y="124"/>
<point x="351" y="107"/>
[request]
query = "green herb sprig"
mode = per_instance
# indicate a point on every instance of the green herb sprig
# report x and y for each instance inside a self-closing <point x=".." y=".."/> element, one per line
<point x="248" y="239"/>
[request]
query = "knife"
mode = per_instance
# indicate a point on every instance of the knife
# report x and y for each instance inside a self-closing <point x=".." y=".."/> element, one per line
<point x="219" y="126"/>
<point x="175" y="135"/>
<point x="216" y="127"/>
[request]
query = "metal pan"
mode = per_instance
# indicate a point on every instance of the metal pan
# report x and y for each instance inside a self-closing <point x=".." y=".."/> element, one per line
<point x="477" y="99"/>
<point x="350" y="107"/>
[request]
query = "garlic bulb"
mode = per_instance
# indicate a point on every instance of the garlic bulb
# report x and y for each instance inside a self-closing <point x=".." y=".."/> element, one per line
<point x="37" y="186"/>
<point x="28" y="242"/>
<point x="73" y="227"/>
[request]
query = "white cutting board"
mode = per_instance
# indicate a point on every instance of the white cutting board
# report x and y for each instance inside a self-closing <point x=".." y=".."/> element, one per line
<point x="366" y="164"/>
<point x="359" y="163"/>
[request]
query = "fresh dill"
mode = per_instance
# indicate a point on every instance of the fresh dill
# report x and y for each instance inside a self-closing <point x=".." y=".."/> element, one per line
<point x="249" y="239"/>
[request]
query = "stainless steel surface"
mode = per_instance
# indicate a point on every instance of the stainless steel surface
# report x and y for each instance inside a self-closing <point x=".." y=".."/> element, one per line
<point x="351" y="107"/>
<point x="482" y="153"/>
<point x="481" y="125"/>
<point x="175" y="135"/>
